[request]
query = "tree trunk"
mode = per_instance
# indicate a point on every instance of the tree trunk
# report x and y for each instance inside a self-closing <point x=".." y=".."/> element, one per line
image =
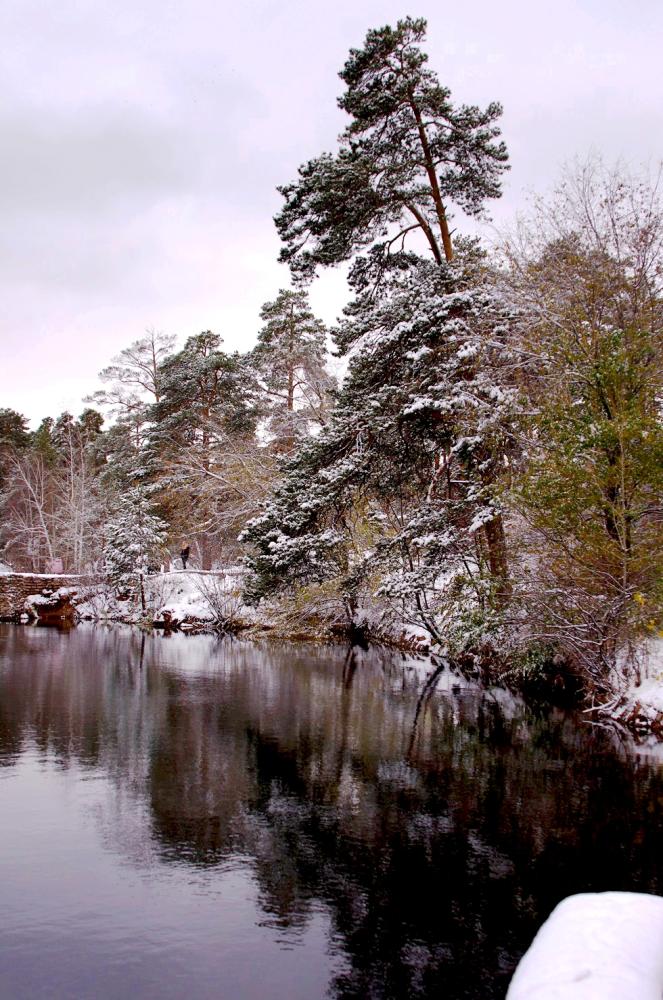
<point x="497" y="560"/>
<point x="205" y="553"/>
<point x="290" y="402"/>
<point x="432" y="179"/>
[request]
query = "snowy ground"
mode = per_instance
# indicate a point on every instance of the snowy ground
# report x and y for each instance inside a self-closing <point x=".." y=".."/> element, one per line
<point x="196" y="596"/>
<point x="191" y="597"/>
<point x="643" y="703"/>
<point x="208" y="599"/>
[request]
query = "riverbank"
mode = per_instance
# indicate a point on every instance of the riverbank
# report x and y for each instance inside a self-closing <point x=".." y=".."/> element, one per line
<point x="201" y="601"/>
<point x="198" y="601"/>
<point x="639" y="704"/>
<point x="194" y="601"/>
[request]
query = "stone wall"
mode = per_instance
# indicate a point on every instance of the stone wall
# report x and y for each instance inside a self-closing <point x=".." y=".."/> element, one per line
<point x="15" y="587"/>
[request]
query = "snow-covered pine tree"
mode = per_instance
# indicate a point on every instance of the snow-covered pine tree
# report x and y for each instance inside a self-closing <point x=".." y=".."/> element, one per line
<point x="289" y="361"/>
<point x="407" y="153"/>
<point x="403" y="483"/>
<point x="399" y="488"/>
<point x="135" y="536"/>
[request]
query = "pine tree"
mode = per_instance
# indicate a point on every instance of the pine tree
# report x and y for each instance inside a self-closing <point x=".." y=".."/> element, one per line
<point x="198" y="384"/>
<point x="406" y="155"/>
<point x="132" y="386"/>
<point x="401" y="491"/>
<point x="13" y="429"/>
<point x="403" y="480"/>
<point x="207" y="403"/>
<point x="14" y="436"/>
<point x="42" y="441"/>
<point x="289" y="362"/>
<point x="135" y="536"/>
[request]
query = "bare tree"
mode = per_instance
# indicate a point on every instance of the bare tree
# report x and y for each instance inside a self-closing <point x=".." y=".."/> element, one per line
<point x="51" y="500"/>
<point x="134" y="375"/>
<point x="29" y="525"/>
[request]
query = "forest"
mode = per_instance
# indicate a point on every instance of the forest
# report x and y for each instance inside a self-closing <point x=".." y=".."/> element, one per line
<point x="474" y="450"/>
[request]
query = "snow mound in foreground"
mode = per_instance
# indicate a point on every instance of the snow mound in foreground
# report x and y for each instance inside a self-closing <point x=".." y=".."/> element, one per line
<point x="596" y="946"/>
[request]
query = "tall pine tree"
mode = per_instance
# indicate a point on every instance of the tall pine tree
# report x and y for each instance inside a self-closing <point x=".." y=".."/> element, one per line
<point x="401" y="490"/>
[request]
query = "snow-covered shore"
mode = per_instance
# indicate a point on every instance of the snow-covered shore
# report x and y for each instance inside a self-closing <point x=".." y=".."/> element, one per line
<point x="193" y="599"/>
<point x="638" y="703"/>
<point x="205" y="601"/>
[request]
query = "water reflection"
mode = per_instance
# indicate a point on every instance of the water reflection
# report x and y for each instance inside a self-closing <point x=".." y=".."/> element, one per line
<point x="397" y="860"/>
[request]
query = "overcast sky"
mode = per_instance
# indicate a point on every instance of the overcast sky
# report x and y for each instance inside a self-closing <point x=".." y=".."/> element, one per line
<point x="142" y="142"/>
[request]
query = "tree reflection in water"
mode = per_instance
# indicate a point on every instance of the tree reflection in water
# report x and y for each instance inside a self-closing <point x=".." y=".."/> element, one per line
<point x="436" y="825"/>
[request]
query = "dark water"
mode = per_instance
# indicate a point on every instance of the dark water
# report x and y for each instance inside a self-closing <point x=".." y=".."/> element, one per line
<point x="201" y="818"/>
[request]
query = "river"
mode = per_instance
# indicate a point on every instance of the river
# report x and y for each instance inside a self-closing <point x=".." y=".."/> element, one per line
<point x="201" y="817"/>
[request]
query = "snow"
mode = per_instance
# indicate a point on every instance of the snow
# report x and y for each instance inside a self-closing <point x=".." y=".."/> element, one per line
<point x="648" y="695"/>
<point x="421" y="352"/>
<point x="654" y="660"/>
<point x="195" y="595"/>
<point x="184" y="599"/>
<point x="36" y="600"/>
<point x="467" y="351"/>
<point x="49" y="598"/>
<point x="52" y="576"/>
<point x="481" y="518"/>
<point x="595" y="946"/>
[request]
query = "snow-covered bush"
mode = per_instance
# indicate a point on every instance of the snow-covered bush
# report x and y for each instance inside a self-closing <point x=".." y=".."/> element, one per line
<point x="134" y="539"/>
